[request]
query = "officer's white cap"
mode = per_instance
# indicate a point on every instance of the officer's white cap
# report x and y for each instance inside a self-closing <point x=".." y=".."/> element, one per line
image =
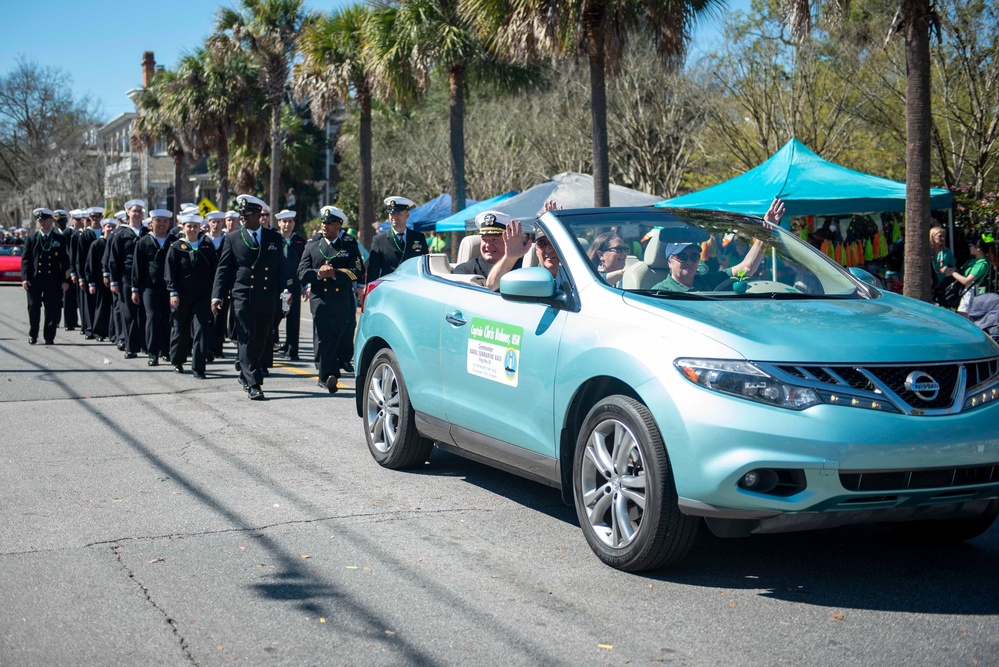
<point x="161" y="213"/>
<point x="395" y="204"/>
<point x="284" y="215"/>
<point x="215" y="215"/>
<point x="492" y="222"/>
<point x="190" y="217"/>
<point x="60" y="213"/>
<point x="42" y="213"/>
<point x="134" y="202"/>
<point x="328" y="213"/>
<point x="250" y="199"/>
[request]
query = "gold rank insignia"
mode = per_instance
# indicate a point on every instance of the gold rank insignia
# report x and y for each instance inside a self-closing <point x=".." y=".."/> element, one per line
<point x="184" y="246"/>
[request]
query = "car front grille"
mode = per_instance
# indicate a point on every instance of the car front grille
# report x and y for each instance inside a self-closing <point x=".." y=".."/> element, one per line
<point x="884" y="385"/>
<point x="921" y="478"/>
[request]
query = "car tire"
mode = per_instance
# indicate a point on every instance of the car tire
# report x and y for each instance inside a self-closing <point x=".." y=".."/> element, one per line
<point x="946" y="531"/>
<point x="624" y="492"/>
<point x="389" y="420"/>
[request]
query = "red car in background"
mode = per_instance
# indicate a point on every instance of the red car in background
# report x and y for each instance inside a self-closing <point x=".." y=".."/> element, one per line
<point x="10" y="263"/>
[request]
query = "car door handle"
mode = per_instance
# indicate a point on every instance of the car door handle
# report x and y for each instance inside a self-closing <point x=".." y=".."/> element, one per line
<point x="455" y="318"/>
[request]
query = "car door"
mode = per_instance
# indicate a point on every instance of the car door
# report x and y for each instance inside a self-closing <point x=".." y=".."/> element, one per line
<point x="498" y="360"/>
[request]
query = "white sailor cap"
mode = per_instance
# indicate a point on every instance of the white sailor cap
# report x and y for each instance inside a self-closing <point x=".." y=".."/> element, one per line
<point x="187" y="209"/>
<point x="42" y="213"/>
<point x="492" y="222"/>
<point x="332" y="214"/>
<point x="231" y="214"/>
<point x="395" y="204"/>
<point x="190" y="217"/>
<point x="188" y="205"/>
<point x="160" y="213"/>
<point x="121" y="215"/>
<point x="215" y="215"/>
<point x="60" y="213"/>
<point x="134" y="202"/>
<point x="284" y="215"/>
<point x="145" y="221"/>
<point x="110" y="221"/>
<point x="95" y="209"/>
<point x="249" y="204"/>
<point x="77" y="213"/>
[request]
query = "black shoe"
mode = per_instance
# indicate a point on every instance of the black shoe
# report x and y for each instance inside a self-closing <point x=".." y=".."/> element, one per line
<point x="121" y="346"/>
<point x="255" y="394"/>
<point x="153" y="361"/>
<point x="49" y="341"/>
<point x="165" y="357"/>
<point x="91" y="337"/>
<point x="293" y="357"/>
<point x="331" y="384"/>
<point x="32" y="340"/>
<point x="242" y="383"/>
<point x="178" y="369"/>
<point x="266" y="372"/>
<point x="238" y="367"/>
<point x="130" y="355"/>
<point x="70" y="328"/>
<point x="347" y="366"/>
<point x="100" y="339"/>
<point x="210" y="358"/>
<point x="199" y="375"/>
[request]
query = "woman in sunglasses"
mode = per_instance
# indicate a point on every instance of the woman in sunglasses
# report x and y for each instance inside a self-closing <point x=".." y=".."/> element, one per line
<point x="608" y="253"/>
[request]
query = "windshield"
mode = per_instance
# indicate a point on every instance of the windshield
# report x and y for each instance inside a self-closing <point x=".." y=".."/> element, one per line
<point x="703" y="255"/>
<point x="11" y="250"/>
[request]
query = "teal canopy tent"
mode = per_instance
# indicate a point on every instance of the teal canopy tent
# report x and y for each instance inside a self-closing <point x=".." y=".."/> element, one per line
<point x="808" y="185"/>
<point x="456" y="222"/>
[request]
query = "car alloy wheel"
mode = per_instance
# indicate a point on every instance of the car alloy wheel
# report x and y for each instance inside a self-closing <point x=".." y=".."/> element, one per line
<point x="390" y="422"/>
<point x="624" y="492"/>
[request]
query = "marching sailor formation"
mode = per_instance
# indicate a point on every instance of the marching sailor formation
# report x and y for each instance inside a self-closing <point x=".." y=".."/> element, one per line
<point x="174" y="291"/>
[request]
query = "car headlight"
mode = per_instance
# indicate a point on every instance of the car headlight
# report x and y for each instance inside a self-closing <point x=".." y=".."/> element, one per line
<point x="743" y="379"/>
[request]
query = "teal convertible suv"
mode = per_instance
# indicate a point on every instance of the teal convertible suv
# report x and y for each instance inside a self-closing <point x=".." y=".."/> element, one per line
<point x="723" y="372"/>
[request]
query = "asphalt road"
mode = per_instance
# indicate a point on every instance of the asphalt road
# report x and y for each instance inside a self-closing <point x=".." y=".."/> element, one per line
<point x="149" y="518"/>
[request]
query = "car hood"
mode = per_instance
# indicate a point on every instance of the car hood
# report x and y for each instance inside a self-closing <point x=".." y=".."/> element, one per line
<point x="888" y="329"/>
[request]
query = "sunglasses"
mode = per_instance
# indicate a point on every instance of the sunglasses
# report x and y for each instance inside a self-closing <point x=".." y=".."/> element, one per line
<point x="687" y="257"/>
<point x="543" y="243"/>
<point x="616" y="248"/>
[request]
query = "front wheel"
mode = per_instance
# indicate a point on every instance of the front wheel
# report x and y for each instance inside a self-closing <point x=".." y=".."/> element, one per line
<point x="389" y="420"/>
<point x="624" y="492"/>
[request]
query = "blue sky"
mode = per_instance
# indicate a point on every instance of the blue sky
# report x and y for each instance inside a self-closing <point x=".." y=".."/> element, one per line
<point x="100" y="45"/>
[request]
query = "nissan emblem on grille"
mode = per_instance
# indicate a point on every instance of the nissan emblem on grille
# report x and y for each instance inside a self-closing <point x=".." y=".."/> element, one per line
<point x="922" y="385"/>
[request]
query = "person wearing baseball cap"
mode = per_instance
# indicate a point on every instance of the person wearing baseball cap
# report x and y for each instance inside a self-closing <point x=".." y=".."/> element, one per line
<point x="331" y="264"/>
<point x="252" y="270"/>
<point x="44" y="276"/>
<point x="396" y="244"/>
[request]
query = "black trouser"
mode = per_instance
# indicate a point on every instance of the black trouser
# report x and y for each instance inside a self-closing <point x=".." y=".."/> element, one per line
<point x="87" y="305"/>
<point x="129" y="326"/>
<point x="253" y="330"/>
<point x="100" y="323"/>
<point x="346" y="350"/>
<point x="192" y="319"/>
<point x="156" y="303"/>
<point x="330" y="326"/>
<point x="70" y="313"/>
<point x="52" y="300"/>
<point x="292" y="326"/>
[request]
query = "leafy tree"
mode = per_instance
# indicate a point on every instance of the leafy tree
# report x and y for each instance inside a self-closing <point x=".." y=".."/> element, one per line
<point x="601" y="30"/>
<point x="158" y="120"/>
<point x="268" y="30"/>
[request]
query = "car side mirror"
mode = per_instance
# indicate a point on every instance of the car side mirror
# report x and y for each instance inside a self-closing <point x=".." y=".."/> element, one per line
<point x="866" y="277"/>
<point x="533" y="284"/>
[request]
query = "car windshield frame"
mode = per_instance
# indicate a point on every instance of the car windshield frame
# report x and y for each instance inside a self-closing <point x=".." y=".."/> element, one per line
<point x="788" y="267"/>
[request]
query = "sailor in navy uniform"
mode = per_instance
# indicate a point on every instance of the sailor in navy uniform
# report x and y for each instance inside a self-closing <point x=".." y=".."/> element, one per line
<point x="190" y="270"/>
<point x="82" y="240"/>
<point x="216" y="236"/>
<point x="70" y="309"/>
<point x="332" y="265"/>
<point x="148" y="284"/>
<point x="251" y="269"/>
<point x="44" y="276"/>
<point x="118" y="256"/>
<point x="93" y="275"/>
<point x="294" y="246"/>
<point x="396" y="244"/>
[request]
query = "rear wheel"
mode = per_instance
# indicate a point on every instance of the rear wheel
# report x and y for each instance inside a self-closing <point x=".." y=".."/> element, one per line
<point x="947" y="531"/>
<point x="389" y="420"/>
<point x="624" y="492"/>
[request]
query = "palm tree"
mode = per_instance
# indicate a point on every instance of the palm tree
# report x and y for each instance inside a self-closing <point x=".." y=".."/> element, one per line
<point x="600" y="29"/>
<point x="441" y="36"/>
<point x="157" y="121"/>
<point x="218" y="94"/>
<point x="338" y="67"/>
<point x="268" y="30"/>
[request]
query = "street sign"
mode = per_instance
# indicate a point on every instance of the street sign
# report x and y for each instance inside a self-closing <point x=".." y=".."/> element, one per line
<point x="206" y="206"/>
